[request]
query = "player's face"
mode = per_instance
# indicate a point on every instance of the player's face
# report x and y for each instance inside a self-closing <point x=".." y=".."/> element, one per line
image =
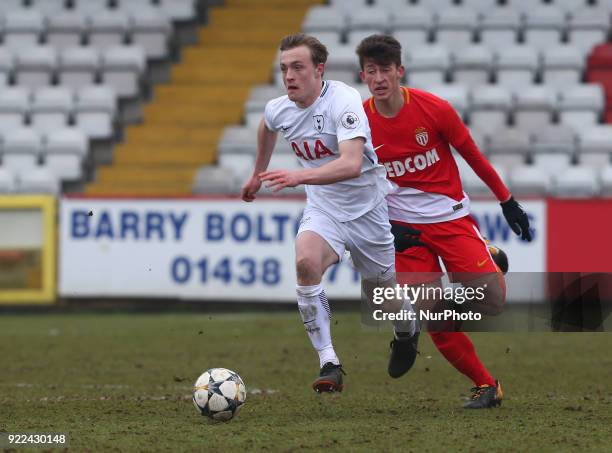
<point x="300" y="76"/>
<point x="383" y="80"/>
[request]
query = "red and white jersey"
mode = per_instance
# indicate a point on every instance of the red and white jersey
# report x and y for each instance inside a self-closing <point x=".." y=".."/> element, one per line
<point x="414" y="147"/>
<point x="314" y="134"/>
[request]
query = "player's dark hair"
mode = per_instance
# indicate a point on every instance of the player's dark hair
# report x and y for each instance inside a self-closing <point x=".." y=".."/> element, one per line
<point x="318" y="52"/>
<point x="381" y="49"/>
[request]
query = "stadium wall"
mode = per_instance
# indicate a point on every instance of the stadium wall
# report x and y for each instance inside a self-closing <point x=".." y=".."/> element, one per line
<point x="221" y="248"/>
<point x="27" y="249"/>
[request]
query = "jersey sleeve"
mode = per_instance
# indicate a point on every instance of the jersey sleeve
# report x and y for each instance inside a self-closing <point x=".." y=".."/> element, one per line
<point x="451" y="126"/>
<point x="349" y="117"/>
<point x="270" y="116"/>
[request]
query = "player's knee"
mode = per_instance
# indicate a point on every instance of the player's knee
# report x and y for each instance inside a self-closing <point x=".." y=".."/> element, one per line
<point x="308" y="270"/>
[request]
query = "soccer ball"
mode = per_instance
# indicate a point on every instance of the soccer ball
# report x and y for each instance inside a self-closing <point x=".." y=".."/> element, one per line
<point x="219" y="393"/>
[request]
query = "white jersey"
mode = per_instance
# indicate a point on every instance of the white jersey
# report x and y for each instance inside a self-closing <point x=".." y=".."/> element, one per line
<point x="314" y="133"/>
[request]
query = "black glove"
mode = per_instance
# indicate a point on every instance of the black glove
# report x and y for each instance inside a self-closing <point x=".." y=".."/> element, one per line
<point x="405" y="237"/>
<point x="516" y="218"/>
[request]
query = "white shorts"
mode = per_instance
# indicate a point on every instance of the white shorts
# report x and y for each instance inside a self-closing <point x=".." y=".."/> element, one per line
<point x="368" y="238"/>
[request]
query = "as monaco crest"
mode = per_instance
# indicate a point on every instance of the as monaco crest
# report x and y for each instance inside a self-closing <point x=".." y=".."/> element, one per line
<point x="319" y="122"/>
<point x="420" y="133"/>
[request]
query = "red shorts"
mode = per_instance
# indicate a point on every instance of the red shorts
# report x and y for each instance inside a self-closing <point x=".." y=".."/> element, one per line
<point x="458" y="243"/>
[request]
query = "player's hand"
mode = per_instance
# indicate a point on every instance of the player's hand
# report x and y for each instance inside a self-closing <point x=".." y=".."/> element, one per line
<point x="516" y="218"/>
<point x="405" y="237"/>
<point x="250" y="188"/>
<point x="279" y="179"/>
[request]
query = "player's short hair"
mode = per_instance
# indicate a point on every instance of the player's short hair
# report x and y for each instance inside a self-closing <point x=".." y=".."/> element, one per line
<point x="382" y="49"/>
<point x="318" y="52"/>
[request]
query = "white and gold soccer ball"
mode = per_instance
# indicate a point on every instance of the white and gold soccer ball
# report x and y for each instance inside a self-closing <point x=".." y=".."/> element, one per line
<point x="219" y="393"/>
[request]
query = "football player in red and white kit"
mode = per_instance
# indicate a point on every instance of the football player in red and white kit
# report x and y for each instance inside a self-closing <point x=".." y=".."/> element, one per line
<point x="412" y="133"/>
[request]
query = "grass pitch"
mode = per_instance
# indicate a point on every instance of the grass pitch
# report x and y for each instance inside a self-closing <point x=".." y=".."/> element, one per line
<point x="123" y="383"/>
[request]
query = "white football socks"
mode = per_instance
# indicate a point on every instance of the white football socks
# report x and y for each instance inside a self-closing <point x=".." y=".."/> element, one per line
<point x="405" y="328"/>
<point x="316" y="314"/>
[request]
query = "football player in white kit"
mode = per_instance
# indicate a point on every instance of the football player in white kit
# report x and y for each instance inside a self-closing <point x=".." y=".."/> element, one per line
<point x="328" y="130"/>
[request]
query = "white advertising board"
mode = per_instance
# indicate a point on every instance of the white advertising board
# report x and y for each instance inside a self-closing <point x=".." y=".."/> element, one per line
<point x="215" y="249"/>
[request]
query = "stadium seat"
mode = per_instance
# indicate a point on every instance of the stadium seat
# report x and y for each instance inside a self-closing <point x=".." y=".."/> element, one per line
<point x="455" y="94"/>
<point x="521" y="6"/>
<point x="600" y="57"/>
<point x="392" y="5"/>
<point x="22" y="147"/>
<point x="7" y="6"/>
<point x="499" y="28"/>
<point x="215" y="180"/>
<point x="544" y="27"/>
<point x="7" y="64"/>
<point x="123" y="68"/>
<point x="241" y="165"/>
<point x="562" y="66"/>
<point x="557" y="138"/>
<point x="410" y="39"/>
<point x="107" y="29"/>
<point x="553" y="163"/>
<point x="571" y="6"/>
<point x="480" y="6"/>
<point x="49" y="7"/>
<point x="455" y="27"/>
<point x="595" y="140"/>
<point x="516" y="66"/>
<point x="78" y="67"/>
<point x="490" y="108"/>
<point x="436" y="5"/>
<point x="324" y="18"/>
<point x="366" y="18"/>
<point x="534" y="107"/>
<point x="472" y="183"/>
<point x="51" y="108"/>
<point x="342" y="57"/>
<point x="606" y="180"/>
<point x="90" y="6"/>
<point x="514" y="144"/>
<point x="427" y="65"/>
<point x="354" y="37"/>
<point x="95" y="111"/>
<point x="588" y="27"/>
<point x="64" y="151"/>
<point x="23" y="28"/>
<point x="529" y="180"/>
<point x="260" y="95"/>
<point x="329" y="38"/>
<point x="472" y="66"/>
<point x="238" y="139"/>
<point x="14" y="105"/>
<point x="581" y="105"/>
<point x="35" y="66"/>
<point x="151" y="29"/>
<point x="414" y="22"/>
<point x="8" y="181"/>
<point x="578" y="181"/>
<point x="348" y="77"/>
<point x="38" y="180"/>
<point x="66" y="29"/>
<point x="179" y="10"/>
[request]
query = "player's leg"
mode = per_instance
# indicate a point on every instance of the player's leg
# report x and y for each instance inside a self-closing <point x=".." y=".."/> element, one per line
<point x="370" y="242"/>
<point x="466" y="255"/>
<point x="318" y="245"/>
<point x="417" y="266"/>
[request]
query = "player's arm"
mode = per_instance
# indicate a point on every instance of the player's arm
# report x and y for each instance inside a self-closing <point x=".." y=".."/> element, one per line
<point x="459" y="137"/>
<point x="347" y="166"/>
<point x="266" y="139"/>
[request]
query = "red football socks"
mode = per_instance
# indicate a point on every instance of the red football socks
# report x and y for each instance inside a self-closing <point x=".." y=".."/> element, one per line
<point x="459" y="350"/>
